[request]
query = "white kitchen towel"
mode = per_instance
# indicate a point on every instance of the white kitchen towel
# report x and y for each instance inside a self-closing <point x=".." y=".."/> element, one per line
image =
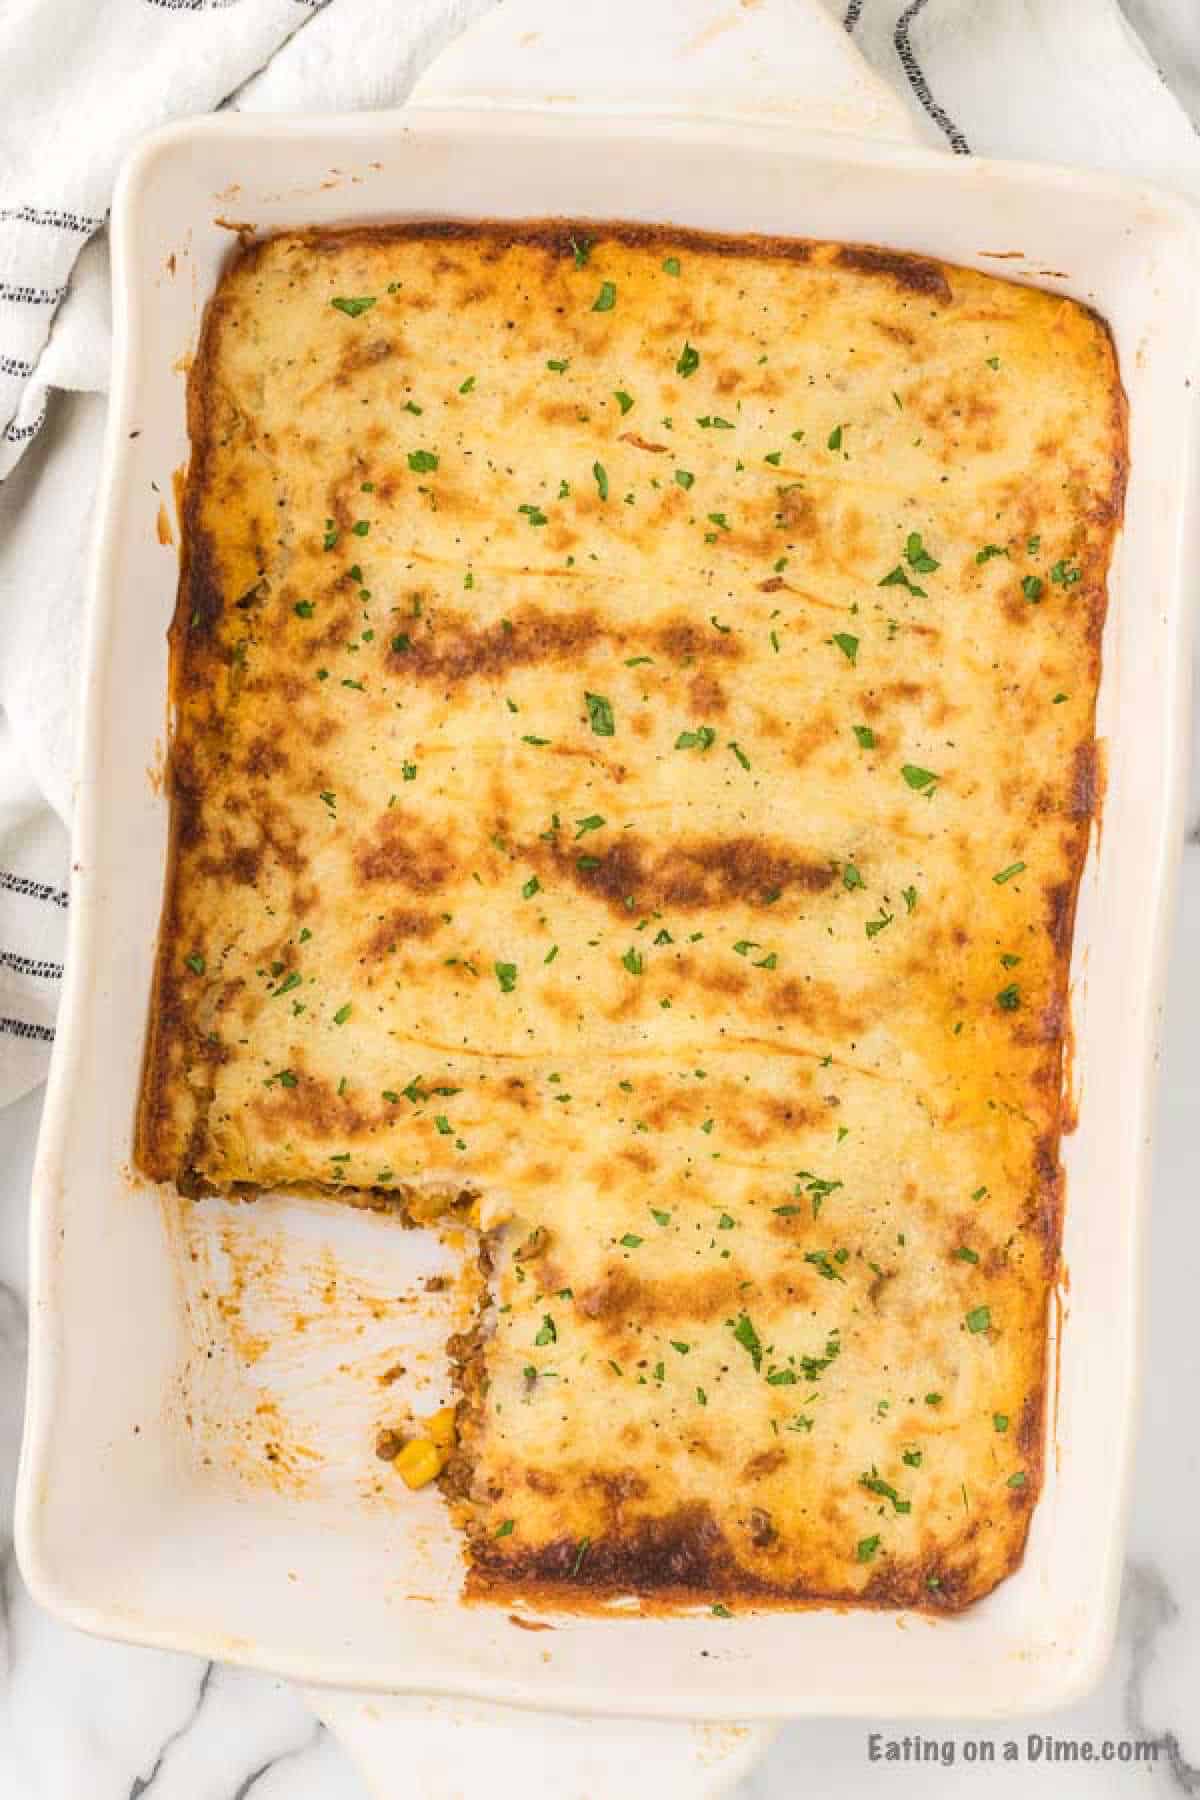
<point x="1062" y="80"/>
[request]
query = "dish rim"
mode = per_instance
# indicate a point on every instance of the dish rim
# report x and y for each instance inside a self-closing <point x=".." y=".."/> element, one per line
<point x="102" y="597"/>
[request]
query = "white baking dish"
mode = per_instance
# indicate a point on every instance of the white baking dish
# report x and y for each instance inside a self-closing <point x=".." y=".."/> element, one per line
<point x="123" y="1526"/>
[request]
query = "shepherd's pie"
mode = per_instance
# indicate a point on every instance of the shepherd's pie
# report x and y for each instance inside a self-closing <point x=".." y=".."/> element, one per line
<point x="632" y="764"/>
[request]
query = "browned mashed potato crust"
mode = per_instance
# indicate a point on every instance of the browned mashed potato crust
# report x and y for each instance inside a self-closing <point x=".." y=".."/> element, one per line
<point x="633" y="763"/>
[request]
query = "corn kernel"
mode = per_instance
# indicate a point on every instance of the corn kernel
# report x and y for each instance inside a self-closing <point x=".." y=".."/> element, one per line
<point x="439" y="1428"/>
<point x="418" y="1463"/>
<point x="424" y="1208"/>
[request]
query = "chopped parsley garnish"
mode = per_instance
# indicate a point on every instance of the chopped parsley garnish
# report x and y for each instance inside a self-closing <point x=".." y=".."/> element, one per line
<point x="774" y="457"/>
<point x="532" y="886"/>
<point x="876" y="1485"/>
<point x="506" y="975"/>
<point x="847" y="644"/>
<point x="684" y="477"/>
<point x="445" y="1129"/>
<point x="1032" y="586"/>
<point x="581" y="249"/>
<point x="505" y="1530"/>
<point x="600" y="715"/>
<point x="534" y="514"/>
<point x="874" y="926"/>
<point x="606" y="299"/>
<point x="740" y="754"/>
<point x="361" y="527"/>
<point x="287" y="984"/>
<point x="1009" y="998"/>
<point x="865" y="736"/>
<point x="918" y="778"/>
<point x="747" y="1337"/>
<point x="909" y="897"/>
<point x="979" y="1318"/>
<point x="1017" y="868"/>
<point x="1000" y="1421"/>
<point x="560" y="365"/>
<point x="547" y="1332"/>
<point x="719" y="519"/>
<point x="711" y="422"/>
<point x="467" y="385"/>
<point x="623" y="400"/>
<point x="851" y="877"/>
<point x="195" y="963"/>
<point x="990" y="550"/>
<point x="342" y="1014"/>
<point x="866" y="1548"/>
<point x="421" y="462"/>
<point x="284" y="1077"/>
<point x="689" y="361"/>
<point x="1017" y="1480"/>
<point x="917" y="557"/>
<point x="834" y="441"/>
<point x="897" y="578"/>
<point x="700" y="739"/>
<point x="593" y="822"/>
<point x="401" y="643"/>
<point x="1066" y="573"/>
<point x="353" y="307"/>
<point x="631" y="1240"/>
<point x="965" y="1254"/>
<point x="721" y="1612"/>
<point x="821" y="1263"/>
<point x="598" y="470"/>
<point x="303" y="609"/>
<point x="632" y="960"/>
<point x="671" y="266"/>
<point x="817" y="1187"/>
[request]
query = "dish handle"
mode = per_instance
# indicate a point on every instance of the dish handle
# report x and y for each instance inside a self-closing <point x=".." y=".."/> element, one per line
<point x="458" y="1749"/>
<point x="786" y="62"/>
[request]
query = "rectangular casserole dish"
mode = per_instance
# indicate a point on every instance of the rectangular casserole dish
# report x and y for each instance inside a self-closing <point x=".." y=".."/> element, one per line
<point x="177" y="1545"/>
